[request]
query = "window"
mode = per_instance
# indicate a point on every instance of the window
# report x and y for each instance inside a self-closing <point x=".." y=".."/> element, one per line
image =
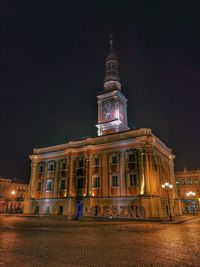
<point x="39" y="187"/>
<point x="96" y="161"/>
<point x="108" y="116"/>
<point x="49" y="185"/>
<point x="41" y="168"/>
<point x="80" y="163"/>
<point x="96" y="183"/>
<point x="133" y="180"/>
<point x="63" y="165"/>
<point x="80" y="182"/>
<point x="47" y="210"/>
<point x="114" y="159"/>
<point x="51" y="166"/>
<point x="131" y="157"/>
<point x="62" y="184"/>
<point x="115" y="182"/>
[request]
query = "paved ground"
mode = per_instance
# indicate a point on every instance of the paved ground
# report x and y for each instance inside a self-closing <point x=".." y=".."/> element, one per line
<point x="52" y="242"/>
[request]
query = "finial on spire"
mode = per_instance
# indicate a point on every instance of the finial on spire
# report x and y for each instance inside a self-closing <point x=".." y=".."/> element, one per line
<point x="111" y="42"/>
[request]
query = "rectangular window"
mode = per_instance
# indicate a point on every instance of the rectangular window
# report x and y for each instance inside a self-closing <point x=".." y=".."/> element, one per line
<point x="62" y="184"/>
<point x="50" y="166"/>
<point x="96" y="183"/>
<point x="41" y="168"/>
<point x="108" y="116"/>
<point x="114" y="159"/>
<point x="131" y="157"/>
<point x="115" y="182"/>
<point x="133" y="180"/>
<point x="80" y="163"/>
<point x="49" y="185"/>
<point x="47" y="210"/>
<point x="39" y="187"/>
<point x="96" y="161"/>
<point x="63" y="165"/>
<point x="80" y="182"/>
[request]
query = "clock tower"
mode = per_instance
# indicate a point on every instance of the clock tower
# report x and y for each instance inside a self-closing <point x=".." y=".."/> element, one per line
<point x="112" y="104"/>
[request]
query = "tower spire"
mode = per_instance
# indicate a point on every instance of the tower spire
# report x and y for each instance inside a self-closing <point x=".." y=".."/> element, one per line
<point x="111" y="42"/>
<point x="112" y="79"/>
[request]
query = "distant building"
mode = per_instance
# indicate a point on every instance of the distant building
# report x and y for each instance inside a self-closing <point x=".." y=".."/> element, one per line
<point x="188" y="186"/>
<point x="12" y="195"/>
<point x="118" y="173"/>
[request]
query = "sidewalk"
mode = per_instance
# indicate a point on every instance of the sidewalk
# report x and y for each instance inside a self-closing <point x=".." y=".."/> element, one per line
<point x="181" y="219"/>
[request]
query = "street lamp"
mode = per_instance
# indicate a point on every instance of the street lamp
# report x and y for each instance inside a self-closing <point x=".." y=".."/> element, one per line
<point x="13" y="192"/>
<point x="190" y="194"/>
<point x="167" y="187"/>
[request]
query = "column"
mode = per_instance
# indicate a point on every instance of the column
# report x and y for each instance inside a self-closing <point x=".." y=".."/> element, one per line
<point x="33" y="179"/>
<point x="145" y="179"/>
<point x="71" y="176"/>
<point x="56" y="179"/>
<point x="44" y="180"/>
<point x="89" y="178"/>
<point x="122" y="174"/>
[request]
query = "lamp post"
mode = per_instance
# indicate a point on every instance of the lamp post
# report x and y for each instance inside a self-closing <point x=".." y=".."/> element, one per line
<point x="167" y="187"/>
<point x="190" y="194"/>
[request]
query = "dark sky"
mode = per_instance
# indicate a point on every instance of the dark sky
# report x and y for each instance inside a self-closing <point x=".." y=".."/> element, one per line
<point x="52" y="67"/>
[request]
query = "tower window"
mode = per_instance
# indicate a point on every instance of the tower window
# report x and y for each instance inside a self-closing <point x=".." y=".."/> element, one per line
<point x="108" y="116"/>
<point x="133" y="180"/>
<point x="115" y="181"/>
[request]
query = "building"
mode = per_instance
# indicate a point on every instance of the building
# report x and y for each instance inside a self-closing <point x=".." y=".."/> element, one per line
<point x="12" y="195"/>
<point x="188" y="186"/>
<point x="117" y="173"/>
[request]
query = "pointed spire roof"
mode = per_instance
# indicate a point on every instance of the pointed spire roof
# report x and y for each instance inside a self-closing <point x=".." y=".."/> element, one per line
<point x="111" y="55"/>
<point x="112" y="79"/>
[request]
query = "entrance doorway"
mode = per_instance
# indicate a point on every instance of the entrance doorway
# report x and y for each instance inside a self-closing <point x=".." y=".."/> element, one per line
<point x="79" y="208"/>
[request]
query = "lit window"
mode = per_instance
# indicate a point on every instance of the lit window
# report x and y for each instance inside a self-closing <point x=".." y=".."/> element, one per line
<point x="108" y="116"/>
<point x="133" y="180"/>
<point x="115" y="182"/>
<point x="96" y="183"/>
<point x="49" y="185"/>
<point x="51" y="166"/>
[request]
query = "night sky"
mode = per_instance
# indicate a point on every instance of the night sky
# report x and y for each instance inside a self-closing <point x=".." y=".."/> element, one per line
<point x="53" y="63"/>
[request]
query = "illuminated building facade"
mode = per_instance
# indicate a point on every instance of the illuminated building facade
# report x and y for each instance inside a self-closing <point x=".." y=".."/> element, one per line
<point x="118" y="173"/>
<point x="12" y="195"/>
<point x="188" y="188"/>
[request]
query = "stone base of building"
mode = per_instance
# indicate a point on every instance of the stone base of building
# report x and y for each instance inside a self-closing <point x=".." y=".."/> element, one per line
<point x="112" y="207"/>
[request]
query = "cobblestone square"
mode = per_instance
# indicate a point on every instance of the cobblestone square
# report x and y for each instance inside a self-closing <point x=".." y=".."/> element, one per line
<point x="52" y="241"/>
